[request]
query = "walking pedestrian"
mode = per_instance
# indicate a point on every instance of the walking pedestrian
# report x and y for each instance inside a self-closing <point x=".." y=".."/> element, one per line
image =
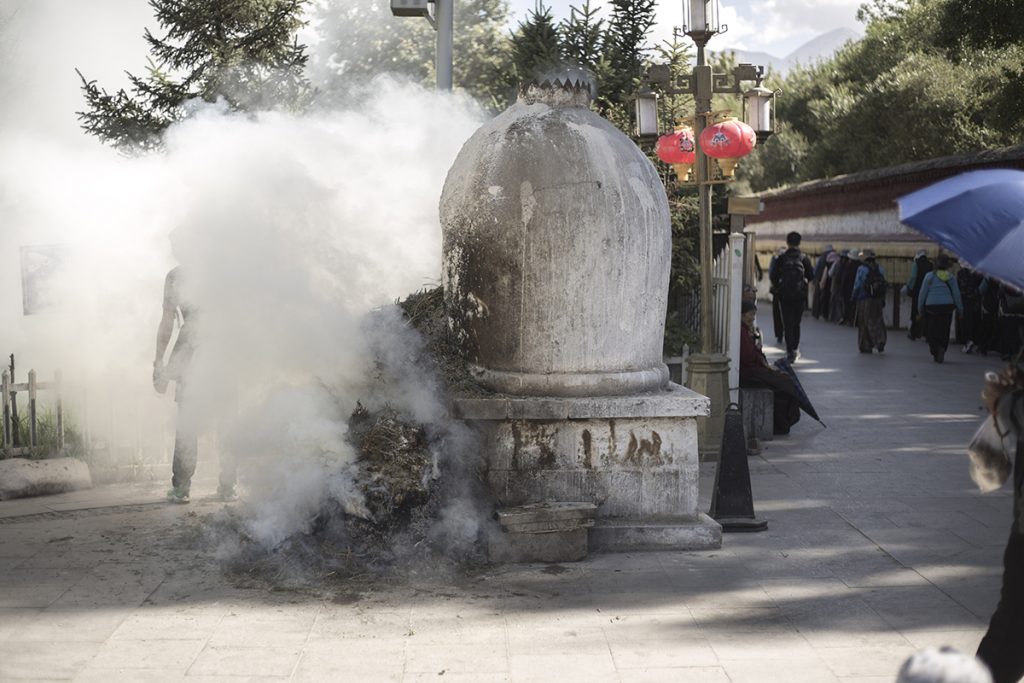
<point x="988" y="334"/>
<point x="969" y="281"/>
<point x="826" y="284"/>
<point x="836" y="305"/>
<point x="1004" y="396"/>
<point x="922" y="266"/>
<point x="1011" y="320"/>
<point x="869" y="293"/>
<point x="818" y="300"/>
<point x="938" y="298"/>
<point x="790" y="276"/>
<point x="777" y="322"/>
<point x="849" y="278"/>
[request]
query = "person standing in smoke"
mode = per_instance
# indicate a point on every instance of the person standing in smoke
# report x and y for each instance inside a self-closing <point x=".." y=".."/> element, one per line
<point x="181" y="313"/>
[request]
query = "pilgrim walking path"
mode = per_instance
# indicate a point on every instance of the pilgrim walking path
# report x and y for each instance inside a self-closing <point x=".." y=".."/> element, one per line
<point x="878" y="545"/>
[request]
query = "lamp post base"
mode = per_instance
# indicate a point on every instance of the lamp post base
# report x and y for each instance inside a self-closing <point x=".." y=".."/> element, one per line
<point x="708" y="374"/>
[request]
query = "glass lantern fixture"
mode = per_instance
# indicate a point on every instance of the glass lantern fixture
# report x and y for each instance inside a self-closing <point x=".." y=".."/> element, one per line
<point x="646" y="114"/>
<point x="701" y="17"/>
<point x="758" y="105"/>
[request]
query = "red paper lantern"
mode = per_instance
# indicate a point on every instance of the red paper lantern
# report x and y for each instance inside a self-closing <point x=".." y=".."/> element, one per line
<point x="678" y="149"/>
<point x="727" y="141"/>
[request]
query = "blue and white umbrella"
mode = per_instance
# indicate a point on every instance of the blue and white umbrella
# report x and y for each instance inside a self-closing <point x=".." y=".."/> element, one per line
<point x="978" y="215"/>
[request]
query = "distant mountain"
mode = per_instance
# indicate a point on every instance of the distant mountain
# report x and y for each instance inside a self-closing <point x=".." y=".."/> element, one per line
<point x="822" y="47"/>
<point x="814" y="50"/>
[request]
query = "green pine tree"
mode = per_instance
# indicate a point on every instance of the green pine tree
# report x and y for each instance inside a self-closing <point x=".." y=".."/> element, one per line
<point x="536" y="44"/>
<point x="583" y="36"/>
<point x="243" y="52"/>
<point x="625" y="43"/>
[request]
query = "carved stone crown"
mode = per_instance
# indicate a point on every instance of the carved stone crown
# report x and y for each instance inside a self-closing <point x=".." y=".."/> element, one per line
<point x="559" y="91"/>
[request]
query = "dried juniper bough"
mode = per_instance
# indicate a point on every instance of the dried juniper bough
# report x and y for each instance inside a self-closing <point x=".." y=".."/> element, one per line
<point x="395" y="467"/>
<point x="424" y="311"/>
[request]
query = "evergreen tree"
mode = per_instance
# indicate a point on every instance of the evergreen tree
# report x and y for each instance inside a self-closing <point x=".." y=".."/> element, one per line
<point x="243" y="52"/>
<point x="583" y="36"/>
<point x="624" y="47"/>
<point x="676" y="54"/>
<point x="536" y="44"/>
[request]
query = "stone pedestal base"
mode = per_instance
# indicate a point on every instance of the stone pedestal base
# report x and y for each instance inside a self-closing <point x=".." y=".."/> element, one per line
<point x="543" y="533"/>
<point x="708" y="374"/>
<point x="635" y="457"/>
<point x="626" y="535"/>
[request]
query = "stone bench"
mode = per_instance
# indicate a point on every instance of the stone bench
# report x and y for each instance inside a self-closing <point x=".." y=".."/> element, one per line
<point x="757" y="406"/>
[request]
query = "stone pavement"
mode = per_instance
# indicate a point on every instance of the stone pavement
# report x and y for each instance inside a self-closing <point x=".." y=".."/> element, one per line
<point x="878" y="545"/>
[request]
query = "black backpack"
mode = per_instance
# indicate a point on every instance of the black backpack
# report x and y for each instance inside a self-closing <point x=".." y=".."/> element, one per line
<point x="874" y="283"/>
<point x="792" y="276"/>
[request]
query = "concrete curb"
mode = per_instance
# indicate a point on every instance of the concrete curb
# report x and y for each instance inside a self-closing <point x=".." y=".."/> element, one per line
<point x="20" y="478"/>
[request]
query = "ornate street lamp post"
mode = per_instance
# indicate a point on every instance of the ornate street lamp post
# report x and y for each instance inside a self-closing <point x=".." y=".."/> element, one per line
<point x="443" y="22"/>
<point x="707" y="371"/>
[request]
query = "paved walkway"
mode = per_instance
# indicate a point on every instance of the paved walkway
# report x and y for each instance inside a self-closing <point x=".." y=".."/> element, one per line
<point x="878" y="545"/>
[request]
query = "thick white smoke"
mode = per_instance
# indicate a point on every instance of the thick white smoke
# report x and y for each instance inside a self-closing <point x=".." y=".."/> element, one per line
<point x="291" y="228"/>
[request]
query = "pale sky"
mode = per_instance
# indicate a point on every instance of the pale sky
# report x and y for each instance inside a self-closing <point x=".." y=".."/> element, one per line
<point x="774" y="26"/>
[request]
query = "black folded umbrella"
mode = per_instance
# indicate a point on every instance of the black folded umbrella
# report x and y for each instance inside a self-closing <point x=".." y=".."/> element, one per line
<point x="783" y="365"/>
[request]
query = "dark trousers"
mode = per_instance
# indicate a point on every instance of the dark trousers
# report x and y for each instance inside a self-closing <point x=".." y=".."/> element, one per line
<point x="777" y="325"/>
<point x="937" y="320"/>
<point x="826" y="298"/>
<point x="970" y="324"/>
<point x="186" y="452"/>
<point x="1002" y="648"/>
<point x="916" y="320"/>
<point x="792" y="312"/>
<point x="1011" y="329"/>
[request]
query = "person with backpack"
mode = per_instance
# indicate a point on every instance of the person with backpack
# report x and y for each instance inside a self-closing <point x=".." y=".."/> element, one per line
<point x="790" y="276"/>
<point x="920" y="268"/>
<point x="869" y="292"/>
<point x="938" y="298"/>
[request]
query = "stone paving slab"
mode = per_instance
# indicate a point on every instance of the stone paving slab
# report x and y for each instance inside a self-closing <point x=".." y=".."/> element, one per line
<point x="878" y="545"/>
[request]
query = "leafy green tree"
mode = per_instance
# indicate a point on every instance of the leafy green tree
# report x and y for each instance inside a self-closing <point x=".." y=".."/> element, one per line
<point x="930" y="78"/>
<point x="243" y="52"/>
<point x="362" y="39"/>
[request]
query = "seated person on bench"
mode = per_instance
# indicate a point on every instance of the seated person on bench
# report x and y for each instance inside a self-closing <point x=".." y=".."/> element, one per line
<point x="756" y="373"/>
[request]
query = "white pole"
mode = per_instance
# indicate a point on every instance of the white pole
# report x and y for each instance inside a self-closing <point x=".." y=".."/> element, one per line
<point x="736" y="246"/>
<point x="445" y="29"/>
